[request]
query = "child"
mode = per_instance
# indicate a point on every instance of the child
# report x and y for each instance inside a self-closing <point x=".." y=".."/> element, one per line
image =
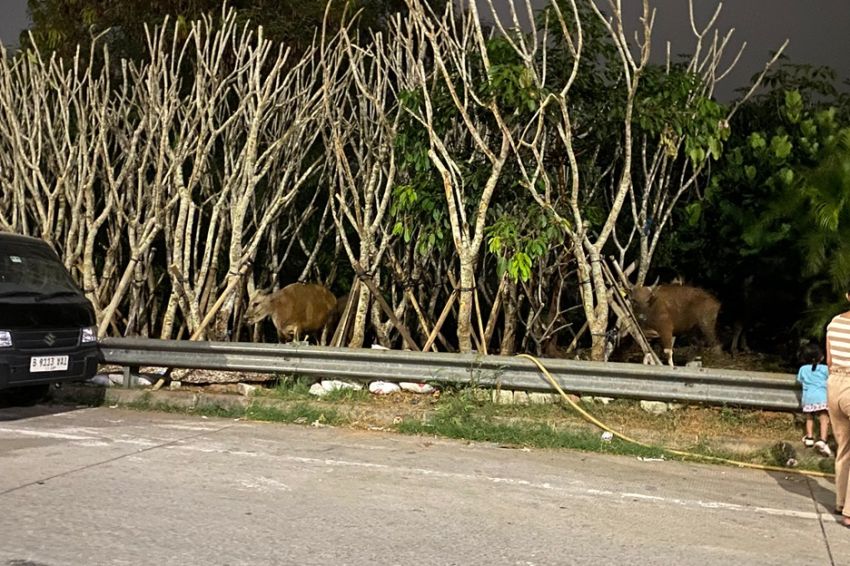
<point x="813" y="375"/>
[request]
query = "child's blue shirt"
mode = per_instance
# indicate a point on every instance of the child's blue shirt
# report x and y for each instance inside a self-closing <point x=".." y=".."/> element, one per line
<point x="814" y="384"/>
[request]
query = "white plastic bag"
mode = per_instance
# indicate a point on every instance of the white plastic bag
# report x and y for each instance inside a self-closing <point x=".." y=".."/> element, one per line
<point x="317" y="390"/>
<point x="101" y="379"/>
<point x="383" y="387"/>
<point x="334" y="384"/>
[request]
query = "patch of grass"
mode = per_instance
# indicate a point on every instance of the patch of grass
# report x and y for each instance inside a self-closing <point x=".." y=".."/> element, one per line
<point x="296" y="413"/>
<point x="735" y="417"/>
<point x="347" y="395"/>
<point x="207" y="409"/>
<point x="216" y="410"/>
<point x="299" y="413"/>
<point x="522" y="435"/>
<point x="291" y="387"/>
<point x="143" y="403"/>
<point x="472" y="419"/>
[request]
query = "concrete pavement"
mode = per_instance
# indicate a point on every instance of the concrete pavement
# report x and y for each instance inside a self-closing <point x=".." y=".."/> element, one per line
<point x="110" y="486"/>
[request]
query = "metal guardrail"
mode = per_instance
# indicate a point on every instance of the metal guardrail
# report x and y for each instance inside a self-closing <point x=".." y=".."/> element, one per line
<point x="682" y="384"/>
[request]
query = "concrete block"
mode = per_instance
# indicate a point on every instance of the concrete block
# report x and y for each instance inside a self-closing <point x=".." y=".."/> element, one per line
<point x="591" y="399"/>
<point x="541" y="398"/>
<point x="503" y="396"/>
<point x="246" y="389"/>
<point x="654" y="407"/>
<point x="521" y="398"/>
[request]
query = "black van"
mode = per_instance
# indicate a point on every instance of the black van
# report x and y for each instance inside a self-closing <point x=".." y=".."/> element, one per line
<point x="47" y="326"/>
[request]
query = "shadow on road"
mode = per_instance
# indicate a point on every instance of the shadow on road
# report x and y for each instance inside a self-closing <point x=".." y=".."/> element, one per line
<point x="810" y="488"/>
<point x="11" y="409"/>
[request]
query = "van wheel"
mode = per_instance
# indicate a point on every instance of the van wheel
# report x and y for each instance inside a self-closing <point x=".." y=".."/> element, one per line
<point x="27" y="396"/>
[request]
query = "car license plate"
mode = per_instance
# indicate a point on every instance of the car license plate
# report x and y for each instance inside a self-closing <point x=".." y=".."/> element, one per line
<point x="48" y="363"/>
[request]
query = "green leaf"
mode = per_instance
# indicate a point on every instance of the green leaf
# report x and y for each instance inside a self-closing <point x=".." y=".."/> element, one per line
<point x="781" y="146"/>
<point x="757" y="141"/>
<point x="694" y="212"/>
<point x="714" y="147"/>
<point x="495" y="244"/>
<point x="793" y="106"/>
<point x="808" y="128"/>
<point x="697" y="155"/>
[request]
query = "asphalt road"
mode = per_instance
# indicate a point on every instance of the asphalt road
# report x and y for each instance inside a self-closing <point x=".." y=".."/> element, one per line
<point x="109" y="486"/>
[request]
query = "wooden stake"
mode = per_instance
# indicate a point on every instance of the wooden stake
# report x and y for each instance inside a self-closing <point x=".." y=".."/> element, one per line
<point x="494" y="312"/>
<point x="480" y="324"/>
<point x="402" y="329"/>
<point x="443" y="316"/>
<point x="341" y="330"/>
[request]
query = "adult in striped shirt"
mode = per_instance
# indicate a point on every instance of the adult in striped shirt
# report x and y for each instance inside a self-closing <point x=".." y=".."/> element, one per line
<point x="838" y="403"/>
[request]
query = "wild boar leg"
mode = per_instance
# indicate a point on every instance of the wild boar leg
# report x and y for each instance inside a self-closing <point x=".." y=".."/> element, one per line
<point x="708" y="327"/>
<point x="667" y="340"/>
<point x="737" y="332"/>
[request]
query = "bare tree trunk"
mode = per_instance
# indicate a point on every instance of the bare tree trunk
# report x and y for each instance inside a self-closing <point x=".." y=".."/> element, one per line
<point x="465" y="305"/>
<point x="511" y="310"/>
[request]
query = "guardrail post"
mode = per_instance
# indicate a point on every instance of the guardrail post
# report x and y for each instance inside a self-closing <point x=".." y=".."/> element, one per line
<point x="130" y="375"/>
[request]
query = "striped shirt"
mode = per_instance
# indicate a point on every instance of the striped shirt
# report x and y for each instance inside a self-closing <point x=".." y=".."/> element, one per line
<point x="838" y="342"/>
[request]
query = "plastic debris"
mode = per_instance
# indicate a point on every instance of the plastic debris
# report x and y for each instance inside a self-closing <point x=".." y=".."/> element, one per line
<point x="416" y="387"/>
<point x="383" y="387"/>
<point x="607" y="436"/>
<point x="317" y="390"/>
<point x="101" y="379"/>
<point x="334" y="384"/>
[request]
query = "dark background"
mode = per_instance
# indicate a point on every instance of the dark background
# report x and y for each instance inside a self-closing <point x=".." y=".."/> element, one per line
<point x="819" y="31"/>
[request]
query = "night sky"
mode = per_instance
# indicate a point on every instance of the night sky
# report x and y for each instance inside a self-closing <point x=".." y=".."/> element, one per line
<point x="819" y="31"/>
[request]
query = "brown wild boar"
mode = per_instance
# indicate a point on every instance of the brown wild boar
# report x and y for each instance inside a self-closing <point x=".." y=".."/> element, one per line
<point x="667" y="310"/>
<point x="296" y="309"/>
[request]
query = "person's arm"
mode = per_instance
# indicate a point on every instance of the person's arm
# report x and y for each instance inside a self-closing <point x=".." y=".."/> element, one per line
<point x="828" y="352"/>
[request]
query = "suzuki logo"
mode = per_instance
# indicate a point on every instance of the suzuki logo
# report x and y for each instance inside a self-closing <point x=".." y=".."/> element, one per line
<point x="50" y="339"/>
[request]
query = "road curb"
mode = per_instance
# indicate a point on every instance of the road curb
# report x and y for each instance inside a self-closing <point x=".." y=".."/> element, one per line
<point x="122" y="396"/>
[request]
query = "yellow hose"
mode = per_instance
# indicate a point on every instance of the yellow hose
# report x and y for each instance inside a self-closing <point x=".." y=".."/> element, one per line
<point x="682" y="453"/>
